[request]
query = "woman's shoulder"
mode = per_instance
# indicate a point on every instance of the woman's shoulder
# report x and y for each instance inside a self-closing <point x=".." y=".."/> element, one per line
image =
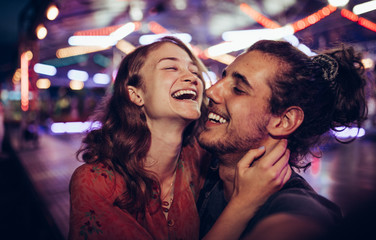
<point x="98" y="171"/>
<point x="95" y="177"/>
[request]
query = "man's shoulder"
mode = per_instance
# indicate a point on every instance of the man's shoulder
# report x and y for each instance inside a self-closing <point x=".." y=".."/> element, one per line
<point x="297" y="194"/>
<point x="298" y="198"/>
<point x="301" y="201"/>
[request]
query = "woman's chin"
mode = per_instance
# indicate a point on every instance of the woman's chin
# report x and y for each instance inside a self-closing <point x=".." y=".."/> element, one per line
<point x="191" y="116"/>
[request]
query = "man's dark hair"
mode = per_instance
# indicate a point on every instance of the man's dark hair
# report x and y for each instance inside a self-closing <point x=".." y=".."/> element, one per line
<point x="327" y="103"/>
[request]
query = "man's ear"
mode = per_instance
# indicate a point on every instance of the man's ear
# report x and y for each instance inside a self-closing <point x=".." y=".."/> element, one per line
<point x="135" y="96"/>
<point x="286" y="123"/>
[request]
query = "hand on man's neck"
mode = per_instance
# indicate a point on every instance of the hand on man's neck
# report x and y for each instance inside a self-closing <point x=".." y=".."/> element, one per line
<point x="228" y="163"/>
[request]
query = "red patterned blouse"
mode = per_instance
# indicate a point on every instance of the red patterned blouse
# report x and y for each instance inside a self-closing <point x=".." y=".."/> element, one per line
<point x="94" y="187"/>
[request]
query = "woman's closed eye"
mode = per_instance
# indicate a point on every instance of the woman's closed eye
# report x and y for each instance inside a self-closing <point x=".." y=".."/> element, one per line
<point x="171" y="68"/>
<point x="195" y="73"/>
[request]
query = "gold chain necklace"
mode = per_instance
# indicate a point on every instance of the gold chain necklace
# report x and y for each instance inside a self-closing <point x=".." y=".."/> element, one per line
<point x="166" y="204"/>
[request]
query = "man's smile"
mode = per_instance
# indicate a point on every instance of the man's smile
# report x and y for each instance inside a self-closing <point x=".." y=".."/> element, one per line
<point x="214" y="117"/>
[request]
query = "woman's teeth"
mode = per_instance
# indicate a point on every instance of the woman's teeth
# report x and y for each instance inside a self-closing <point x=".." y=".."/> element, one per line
<point x="185" y="94"/>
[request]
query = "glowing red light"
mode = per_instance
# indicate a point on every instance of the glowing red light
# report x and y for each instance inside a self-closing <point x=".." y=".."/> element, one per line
<point x="24" y="82"/>
<point x="98" y="32"/>
<point x="103" y="31"/>
<point x="315" y="166"/>
<point x="332" y="8"/>
<point x="299" y="25"/>
<point x="264" y="21"/>
<point x="367" y="24"/>
<point x="325" y="11"/>
<point x="361" y="21"/>
<point x="314" y="18"/>
<point x="157" y="28"/>
<point x="349" y="15"/>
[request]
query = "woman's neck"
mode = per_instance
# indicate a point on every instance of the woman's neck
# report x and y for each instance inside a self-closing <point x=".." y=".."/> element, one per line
<point x="164" y="152"/>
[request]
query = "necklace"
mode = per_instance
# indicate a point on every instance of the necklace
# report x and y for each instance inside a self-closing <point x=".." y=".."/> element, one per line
<point x="169" y="197"/>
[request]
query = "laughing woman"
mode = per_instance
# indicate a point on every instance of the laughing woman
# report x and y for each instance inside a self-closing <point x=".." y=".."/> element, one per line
<point x="143" y="168"/>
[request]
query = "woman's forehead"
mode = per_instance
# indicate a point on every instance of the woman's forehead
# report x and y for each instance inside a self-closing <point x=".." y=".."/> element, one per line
<point x="167" y="51"/>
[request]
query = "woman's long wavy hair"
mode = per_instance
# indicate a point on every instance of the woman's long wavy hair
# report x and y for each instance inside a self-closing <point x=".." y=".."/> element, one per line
<point x="123" y="139"/>
<point x="327" y="104"/>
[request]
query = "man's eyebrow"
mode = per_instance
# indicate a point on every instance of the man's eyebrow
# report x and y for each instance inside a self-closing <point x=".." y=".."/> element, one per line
<point x="241" y="78"/>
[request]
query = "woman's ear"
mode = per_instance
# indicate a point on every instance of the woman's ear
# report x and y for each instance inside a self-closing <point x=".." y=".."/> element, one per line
<point x="286" y="123"/>
<point x="135" y="96"/>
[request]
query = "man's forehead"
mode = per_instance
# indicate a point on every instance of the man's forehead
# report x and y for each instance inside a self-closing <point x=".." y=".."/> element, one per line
<point x="244" y="63"/>
<point x="254" y="66"/>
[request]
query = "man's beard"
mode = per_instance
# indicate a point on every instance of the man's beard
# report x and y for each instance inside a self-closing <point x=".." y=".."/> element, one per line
<point x="235" y="145"/>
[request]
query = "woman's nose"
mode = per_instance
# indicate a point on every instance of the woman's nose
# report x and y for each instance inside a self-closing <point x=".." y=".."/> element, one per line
<point x="190" y="77"/>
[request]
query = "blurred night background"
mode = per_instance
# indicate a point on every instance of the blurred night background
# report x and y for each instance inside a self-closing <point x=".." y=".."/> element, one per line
<point x="58" y="59"/>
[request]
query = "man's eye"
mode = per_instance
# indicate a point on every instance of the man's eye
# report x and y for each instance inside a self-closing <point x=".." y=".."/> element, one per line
<point x="171" y="68"/>
<point x="238" y="91"/>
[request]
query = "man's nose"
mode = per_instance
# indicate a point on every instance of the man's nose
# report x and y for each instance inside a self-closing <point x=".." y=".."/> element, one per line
<point x="216" y="92"/>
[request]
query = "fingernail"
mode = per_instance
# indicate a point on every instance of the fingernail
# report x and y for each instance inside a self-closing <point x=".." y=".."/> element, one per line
<point x="261" y="148"/>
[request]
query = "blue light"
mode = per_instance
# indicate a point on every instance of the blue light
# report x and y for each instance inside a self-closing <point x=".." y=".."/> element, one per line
<point x="150" y="38"/>
<point x="45" y="69"/>
<point x="78" y="75"/>
<point x="74" y="127"/>
<point x="101" y="78"/>
<point x="345" y="133"/>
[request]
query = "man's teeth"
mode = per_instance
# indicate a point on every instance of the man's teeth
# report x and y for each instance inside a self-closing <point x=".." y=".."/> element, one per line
<point x="216" y="118"/>
<point x="184" y="92"/>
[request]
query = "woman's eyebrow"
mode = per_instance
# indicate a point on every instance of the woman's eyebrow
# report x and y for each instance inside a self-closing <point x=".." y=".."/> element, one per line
<point x="175" y="59"/>
<point x="168" y="58"/>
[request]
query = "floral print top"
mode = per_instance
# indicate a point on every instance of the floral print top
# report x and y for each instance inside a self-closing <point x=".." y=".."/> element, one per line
<point x="94" y="187"/>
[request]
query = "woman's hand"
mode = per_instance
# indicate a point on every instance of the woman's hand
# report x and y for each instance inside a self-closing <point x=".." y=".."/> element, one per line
<point x="258" y="175"/>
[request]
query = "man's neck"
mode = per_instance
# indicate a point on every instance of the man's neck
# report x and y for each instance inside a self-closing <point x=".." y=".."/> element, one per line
<point x="227" y="174"/>
<point x="228" y="164"/>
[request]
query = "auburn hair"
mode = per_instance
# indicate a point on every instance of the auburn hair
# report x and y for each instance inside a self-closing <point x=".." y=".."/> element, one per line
<point x="123" y="138"/>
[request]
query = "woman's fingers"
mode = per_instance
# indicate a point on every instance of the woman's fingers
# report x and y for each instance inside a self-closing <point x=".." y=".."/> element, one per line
<point x="249" y="157"/>
<point x="274" y="154"/>
<point x="262" y="169"/>
<point x="282" y="161"/>
<point x="285" y="175"/>
<point x="259" y="174"/>
<point x="274" y="165"/>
